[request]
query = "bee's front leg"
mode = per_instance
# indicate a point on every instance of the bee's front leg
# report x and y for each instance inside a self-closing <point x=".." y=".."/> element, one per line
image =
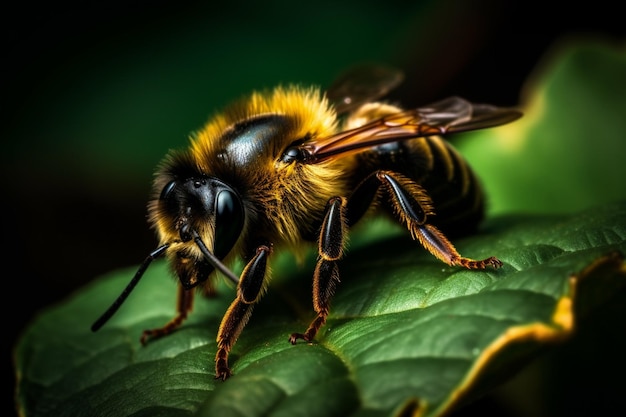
<point x="251" y="287"/>
<point x="331" y="244"/>
<point x="183" y="307"/>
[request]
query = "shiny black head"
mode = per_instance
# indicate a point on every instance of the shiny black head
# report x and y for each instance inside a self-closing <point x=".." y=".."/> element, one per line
<point x="196" y="203"/>
<point x="191" y="204"/>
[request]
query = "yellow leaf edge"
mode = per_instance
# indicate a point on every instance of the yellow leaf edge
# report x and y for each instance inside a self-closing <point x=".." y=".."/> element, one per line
<point x="563" y="324"/>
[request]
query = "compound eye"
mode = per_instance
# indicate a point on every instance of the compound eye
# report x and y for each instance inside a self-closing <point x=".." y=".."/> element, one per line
<point x="166" y="192"/>
<point x="229" y="219"/>
<point x="169" y="198"/>
<point x="292" y="154"/>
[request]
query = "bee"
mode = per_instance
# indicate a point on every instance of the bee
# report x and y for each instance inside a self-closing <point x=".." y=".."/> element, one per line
<point x="281" y="168"/>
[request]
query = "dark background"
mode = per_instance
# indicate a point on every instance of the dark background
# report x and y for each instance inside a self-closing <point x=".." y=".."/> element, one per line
<point x="95" y="94"/>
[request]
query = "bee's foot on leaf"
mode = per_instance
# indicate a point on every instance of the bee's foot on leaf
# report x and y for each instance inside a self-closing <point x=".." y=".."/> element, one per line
<point x="145" y="336"/>
<point x="295" y="336"/>
<point x="494" y="262"/>
<point x="223" y="374"/>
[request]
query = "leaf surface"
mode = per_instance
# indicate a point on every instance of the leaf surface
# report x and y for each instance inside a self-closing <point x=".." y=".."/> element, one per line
<point x="404" y="329"/>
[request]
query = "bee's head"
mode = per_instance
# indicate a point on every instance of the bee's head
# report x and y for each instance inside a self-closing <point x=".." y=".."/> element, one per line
<point x="205" y="210"/>
<point x="199" y="219"/>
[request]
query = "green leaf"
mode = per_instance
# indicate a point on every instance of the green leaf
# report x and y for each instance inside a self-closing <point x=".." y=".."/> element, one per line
<point x="407" y="334"/>
<point x="417" y="334"/>
<point x="567" y="152"/>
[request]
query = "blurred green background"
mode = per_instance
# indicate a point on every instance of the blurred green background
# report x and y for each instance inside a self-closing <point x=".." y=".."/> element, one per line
<point x="95" y="94"/>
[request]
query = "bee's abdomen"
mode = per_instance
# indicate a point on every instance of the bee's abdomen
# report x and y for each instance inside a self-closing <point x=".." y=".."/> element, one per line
<point x="453" y="186"/>
<point x="436" y="166"/>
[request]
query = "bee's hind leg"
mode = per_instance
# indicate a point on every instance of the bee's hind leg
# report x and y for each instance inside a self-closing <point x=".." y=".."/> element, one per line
<point x="331" y="244"/>
<point x="413" y="206"/>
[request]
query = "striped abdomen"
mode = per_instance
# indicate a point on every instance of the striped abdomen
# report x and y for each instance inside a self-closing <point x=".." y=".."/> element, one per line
<point x="435" y="165"/>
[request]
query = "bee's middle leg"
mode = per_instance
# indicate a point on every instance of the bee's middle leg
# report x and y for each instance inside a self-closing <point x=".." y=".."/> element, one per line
<point x="331" y="244"/>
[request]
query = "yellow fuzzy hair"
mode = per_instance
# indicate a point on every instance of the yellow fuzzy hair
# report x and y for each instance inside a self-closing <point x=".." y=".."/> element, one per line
<point x="293" y="196"/>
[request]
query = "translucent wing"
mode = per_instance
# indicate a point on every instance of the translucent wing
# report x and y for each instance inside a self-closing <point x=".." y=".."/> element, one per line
<point x="362" y="84"/>
<point x="450" y="115"/>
